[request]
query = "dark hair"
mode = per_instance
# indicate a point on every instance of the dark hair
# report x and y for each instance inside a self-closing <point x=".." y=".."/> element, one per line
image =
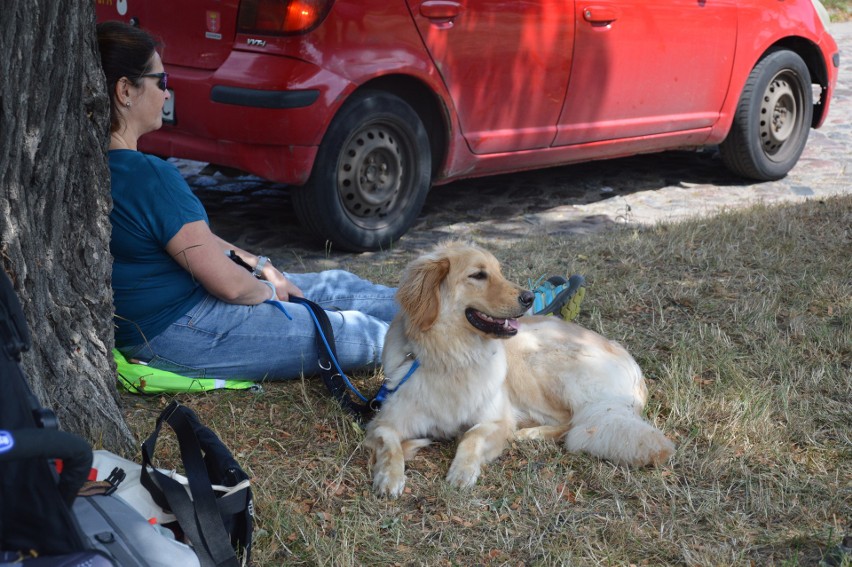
<point x="126" y="51"/>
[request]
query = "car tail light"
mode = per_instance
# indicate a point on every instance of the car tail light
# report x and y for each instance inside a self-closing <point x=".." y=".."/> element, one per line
<point x="281" y="17"/>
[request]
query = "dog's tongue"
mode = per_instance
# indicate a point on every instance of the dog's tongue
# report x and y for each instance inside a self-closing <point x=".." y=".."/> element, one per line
<point x="512" y="324"/>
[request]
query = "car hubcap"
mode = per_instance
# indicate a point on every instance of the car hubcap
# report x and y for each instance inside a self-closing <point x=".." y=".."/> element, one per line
<point x="370" y="172"/>
<point x="779" y="111"/>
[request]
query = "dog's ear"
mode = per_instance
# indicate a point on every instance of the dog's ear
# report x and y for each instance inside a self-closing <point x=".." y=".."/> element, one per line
<point x="419" y="291"/>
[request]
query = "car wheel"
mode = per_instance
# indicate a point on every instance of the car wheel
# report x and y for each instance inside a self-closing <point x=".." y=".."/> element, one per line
<point x="772" y="120"/>
<point x="371" y="174"/>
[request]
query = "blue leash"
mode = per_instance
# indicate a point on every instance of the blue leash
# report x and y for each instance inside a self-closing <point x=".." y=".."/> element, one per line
<point x="332" y="354"/>
<point x="337" y="382"/>
<point x="384" y="391"/>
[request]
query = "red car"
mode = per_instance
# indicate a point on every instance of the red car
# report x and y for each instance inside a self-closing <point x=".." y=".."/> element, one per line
<point x="364" y="104"/>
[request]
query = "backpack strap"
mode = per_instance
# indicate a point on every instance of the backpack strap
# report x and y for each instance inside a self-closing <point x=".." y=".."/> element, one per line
<point x="199" y="517"/>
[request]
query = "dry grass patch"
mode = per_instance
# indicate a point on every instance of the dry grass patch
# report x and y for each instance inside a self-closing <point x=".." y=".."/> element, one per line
<point x="743" y="326"/>
<point x="839" y="10"/>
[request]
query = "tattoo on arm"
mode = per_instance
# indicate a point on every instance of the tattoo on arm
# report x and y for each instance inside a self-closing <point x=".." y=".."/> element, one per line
<point x="182" y="254"/>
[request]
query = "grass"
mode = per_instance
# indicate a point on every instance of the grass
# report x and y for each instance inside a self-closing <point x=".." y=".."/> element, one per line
<point x="743" y="326"/>
<point x="839" y="10"/>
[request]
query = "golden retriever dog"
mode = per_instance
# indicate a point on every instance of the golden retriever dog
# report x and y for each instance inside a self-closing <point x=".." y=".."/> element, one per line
<point x="485" y="371"/>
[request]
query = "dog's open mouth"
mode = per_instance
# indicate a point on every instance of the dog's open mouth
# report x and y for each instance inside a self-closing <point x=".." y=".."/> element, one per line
<point x="492" y="325"/>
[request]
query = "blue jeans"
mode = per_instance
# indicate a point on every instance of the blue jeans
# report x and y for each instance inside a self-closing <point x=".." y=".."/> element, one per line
<point x="258" y="342"/>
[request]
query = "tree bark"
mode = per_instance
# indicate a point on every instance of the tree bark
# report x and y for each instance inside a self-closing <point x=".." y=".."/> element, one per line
<point x="54" y="225"/>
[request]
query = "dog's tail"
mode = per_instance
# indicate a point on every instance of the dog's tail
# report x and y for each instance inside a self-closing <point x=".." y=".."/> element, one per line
<point x="614" y="431"/>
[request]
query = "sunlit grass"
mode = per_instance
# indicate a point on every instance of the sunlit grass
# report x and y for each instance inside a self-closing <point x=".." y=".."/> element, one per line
<point x="743" y="326"/>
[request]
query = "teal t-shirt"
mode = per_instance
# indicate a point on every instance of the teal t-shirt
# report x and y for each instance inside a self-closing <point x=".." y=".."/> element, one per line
<point x="151" y="202"/>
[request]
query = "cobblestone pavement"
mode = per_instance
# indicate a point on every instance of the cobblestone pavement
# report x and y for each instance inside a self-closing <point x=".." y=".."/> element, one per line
<point x="257" y="215"/>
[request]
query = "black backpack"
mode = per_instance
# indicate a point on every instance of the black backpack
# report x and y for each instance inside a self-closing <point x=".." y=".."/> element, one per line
<point x="36" y="520"/>
<point x="35" y="507"/>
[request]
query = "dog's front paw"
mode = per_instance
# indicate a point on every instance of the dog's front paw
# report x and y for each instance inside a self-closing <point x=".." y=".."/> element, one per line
<point x="657" y="450"/>
<point x="388" y="483"/>
<point x="463" y="475"/>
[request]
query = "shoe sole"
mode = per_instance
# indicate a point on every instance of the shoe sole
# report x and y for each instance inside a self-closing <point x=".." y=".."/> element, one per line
<point x="575" y="282"/>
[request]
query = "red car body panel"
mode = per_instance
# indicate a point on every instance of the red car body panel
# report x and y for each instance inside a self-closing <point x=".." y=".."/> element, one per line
<point x="506" y="70"/>
<point x="634" y="55"/>
<point x="518" y="84"/>
<point x="761" y="26"/>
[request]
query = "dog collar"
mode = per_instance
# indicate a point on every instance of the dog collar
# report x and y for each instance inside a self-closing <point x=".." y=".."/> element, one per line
<point x="384" y="391"/>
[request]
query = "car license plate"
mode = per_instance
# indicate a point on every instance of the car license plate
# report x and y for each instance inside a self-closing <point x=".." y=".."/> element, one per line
<point x="169" y="109"/>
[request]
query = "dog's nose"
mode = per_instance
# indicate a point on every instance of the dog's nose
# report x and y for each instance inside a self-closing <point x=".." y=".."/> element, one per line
<point x="526" y="299"/>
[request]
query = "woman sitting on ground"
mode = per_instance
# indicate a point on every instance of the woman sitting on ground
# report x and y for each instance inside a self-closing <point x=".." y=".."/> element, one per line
<point x="181" y="303"/>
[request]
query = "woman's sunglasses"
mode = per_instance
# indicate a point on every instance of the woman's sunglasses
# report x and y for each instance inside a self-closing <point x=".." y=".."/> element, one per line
<point x="163" y="79"/>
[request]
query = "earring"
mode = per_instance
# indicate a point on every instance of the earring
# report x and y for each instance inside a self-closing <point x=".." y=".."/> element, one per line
<point x="127" y="104"/>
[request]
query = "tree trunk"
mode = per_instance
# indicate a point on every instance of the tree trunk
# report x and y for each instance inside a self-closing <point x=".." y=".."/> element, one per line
<point x="54" y="226"/>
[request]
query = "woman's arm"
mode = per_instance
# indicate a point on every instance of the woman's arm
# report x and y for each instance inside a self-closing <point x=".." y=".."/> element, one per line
<point x="283" y="286"/>
<point x="202" y="254"/>
<point x="197" y="249"/>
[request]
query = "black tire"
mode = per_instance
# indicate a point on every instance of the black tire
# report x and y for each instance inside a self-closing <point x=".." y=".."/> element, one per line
<point x="371" y="174"/>
<point x="773" y="119"/>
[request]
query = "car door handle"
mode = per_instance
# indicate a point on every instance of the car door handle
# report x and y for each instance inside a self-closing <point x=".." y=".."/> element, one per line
<point x="600" y="15"/>
<point x="441" y="12"/>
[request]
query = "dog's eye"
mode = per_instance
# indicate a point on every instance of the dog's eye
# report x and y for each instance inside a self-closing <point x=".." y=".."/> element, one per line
<point x="480" y="275"/>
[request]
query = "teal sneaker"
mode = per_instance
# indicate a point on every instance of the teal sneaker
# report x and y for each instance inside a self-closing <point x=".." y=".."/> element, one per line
<point x="558" y="296"/>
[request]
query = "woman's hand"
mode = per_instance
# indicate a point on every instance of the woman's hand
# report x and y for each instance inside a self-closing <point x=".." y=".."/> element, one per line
<point x="284" y="287"/>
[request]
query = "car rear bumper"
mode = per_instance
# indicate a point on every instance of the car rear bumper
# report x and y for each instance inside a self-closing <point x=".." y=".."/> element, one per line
<point x="254" y="98"/>
<point x="283" y="164"/>
<point x="271" y="130"/>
